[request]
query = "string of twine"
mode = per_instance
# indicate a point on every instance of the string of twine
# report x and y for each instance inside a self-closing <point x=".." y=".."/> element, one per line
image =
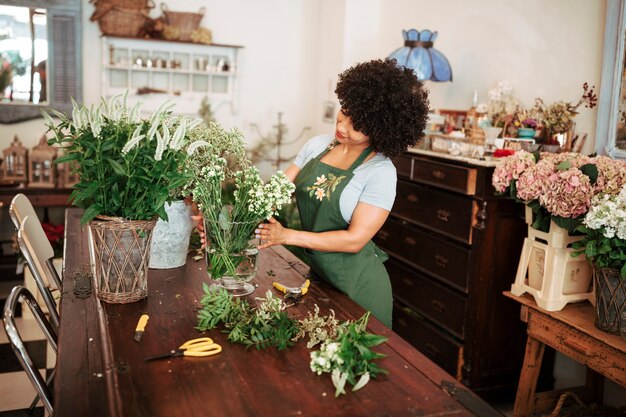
<point x="559" y="404"/>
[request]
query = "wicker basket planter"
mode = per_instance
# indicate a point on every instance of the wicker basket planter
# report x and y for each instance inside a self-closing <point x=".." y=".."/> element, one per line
<point x="121" y="252"/>
<point x="610" y="299"/>
<point x="185" y="22"/>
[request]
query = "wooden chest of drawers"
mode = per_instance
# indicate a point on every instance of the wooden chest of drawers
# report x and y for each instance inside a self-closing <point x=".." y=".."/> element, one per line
<point x="454" y="247"/>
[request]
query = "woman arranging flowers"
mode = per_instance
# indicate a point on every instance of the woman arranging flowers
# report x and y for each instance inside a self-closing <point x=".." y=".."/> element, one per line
<point x="128" y="167"/>
<point x="345" y="183"/>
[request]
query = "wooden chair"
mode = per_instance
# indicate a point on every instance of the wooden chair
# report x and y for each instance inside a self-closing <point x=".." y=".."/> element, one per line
<point x="21" y="208"/>
<point x="44" y="393"/>
<point x="38" y="253"/>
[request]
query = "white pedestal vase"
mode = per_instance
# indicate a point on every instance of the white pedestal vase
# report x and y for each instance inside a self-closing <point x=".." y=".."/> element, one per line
<point x="170" y="240"/>
<point x="548" y="271"/>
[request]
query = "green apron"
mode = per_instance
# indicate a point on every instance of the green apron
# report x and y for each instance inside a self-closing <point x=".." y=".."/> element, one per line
<point x="362" y="275"/>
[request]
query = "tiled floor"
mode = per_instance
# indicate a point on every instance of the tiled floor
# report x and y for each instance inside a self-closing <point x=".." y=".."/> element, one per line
<point x="16" y="390"/>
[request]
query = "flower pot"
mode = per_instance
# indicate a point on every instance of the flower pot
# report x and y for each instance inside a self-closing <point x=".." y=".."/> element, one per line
<point x="610" y="299"/>
<point x="121" y="252"/>
<point x="548" y="271"/>
<point x="526" y="132"/>
<point x="170" y="239"/>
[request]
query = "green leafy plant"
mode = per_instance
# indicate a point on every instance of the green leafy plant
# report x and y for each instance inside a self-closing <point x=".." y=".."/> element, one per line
<point x="346" y="348"/>
<point x="604" y="232"/>
<point x="349" y="356"/>
<point x="128" y="166"/>
<point x="262" y="327"/>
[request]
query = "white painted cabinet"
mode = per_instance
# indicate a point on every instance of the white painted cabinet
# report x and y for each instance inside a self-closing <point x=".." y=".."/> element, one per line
<point x="155" y="71"/>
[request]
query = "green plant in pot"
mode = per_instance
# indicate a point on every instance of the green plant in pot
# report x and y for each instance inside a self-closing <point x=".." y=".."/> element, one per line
<point x="128" y="166"/>
<point x="604" y="245"/>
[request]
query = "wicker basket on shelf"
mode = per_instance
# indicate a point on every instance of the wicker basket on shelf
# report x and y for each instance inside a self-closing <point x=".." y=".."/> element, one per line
<point x="121" y="17"/>
<point x="185" y="22"/>
<point x="125" y="4"/>
<point x="116" y="21"/>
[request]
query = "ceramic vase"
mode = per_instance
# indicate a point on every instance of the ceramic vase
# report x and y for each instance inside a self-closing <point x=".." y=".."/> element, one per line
<point x="170" y="239"/>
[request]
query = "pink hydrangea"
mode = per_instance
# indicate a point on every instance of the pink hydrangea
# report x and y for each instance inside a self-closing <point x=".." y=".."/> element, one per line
<point x="567" y="193"/>
<point x="611" y="175"/>
<point x="531" y="183"/>
<point x="577" y="160"/>
<point x="510" y="169"/>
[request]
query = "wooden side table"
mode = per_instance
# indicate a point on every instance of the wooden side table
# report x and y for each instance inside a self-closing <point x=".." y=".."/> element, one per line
<point x="572" y="332"/>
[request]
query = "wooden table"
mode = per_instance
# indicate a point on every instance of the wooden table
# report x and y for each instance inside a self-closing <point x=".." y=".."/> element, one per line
<point x="572" y="332"/>
<point x="101" y="371"/>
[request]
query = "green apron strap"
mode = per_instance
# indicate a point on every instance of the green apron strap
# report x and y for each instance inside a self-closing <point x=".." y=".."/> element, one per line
<point x="366" y="152"/>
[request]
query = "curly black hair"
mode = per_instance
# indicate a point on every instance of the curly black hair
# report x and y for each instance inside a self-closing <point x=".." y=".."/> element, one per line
<point x="385" y="102"/>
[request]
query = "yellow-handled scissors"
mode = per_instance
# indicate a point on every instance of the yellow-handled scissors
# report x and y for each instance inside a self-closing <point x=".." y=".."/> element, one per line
<point x="203" y="346"/>
<point x="293" y="293"/>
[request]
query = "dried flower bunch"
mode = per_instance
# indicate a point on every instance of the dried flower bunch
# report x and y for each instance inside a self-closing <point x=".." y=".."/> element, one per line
<point x="558" y="187"/>
<point x="128" y="166"/>
<point x="501" y="105"/>
<point x="558" y="117"/>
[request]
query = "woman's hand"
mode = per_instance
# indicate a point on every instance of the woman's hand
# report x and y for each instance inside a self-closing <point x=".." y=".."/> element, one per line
<point x="271" y="233"/>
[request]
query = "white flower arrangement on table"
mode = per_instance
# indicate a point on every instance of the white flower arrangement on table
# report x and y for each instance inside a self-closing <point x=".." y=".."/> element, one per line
<point x="231" y="217"/>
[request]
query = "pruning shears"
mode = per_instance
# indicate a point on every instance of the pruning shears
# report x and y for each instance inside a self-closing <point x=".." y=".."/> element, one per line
<point x="293" y="293"/>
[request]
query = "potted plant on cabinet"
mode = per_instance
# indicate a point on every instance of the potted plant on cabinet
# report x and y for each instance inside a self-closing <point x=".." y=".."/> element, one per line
<point x="128" y="167"/>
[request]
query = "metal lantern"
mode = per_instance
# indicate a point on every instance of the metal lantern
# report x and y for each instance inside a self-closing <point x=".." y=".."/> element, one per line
<point x="41" y="171"/>
<point x="15" y="162"/>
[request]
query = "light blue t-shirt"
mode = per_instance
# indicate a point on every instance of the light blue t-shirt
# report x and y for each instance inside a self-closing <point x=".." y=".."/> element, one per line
<point x="374" y="181"/>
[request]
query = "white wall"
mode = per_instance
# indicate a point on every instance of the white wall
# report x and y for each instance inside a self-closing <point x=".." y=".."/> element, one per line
<point x="294" y="50"/>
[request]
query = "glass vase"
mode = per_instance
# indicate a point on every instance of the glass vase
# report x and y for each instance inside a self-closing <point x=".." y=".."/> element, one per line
<point x="233" y="271"/>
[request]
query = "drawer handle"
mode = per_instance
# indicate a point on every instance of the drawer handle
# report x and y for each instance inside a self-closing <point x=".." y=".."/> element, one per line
<point x="410" y="240"/>
<point x="412" y="198"/>
<point x="440" y="175"/>
<point x="443" y="215"/>
<point x="432" y="349"/>
<point x="383" y="234"/>
<point x="407" y="282"/>
<point x="441" y="261"/>
<point x="402" y="323"/>
<point x="577" y="346"/>
<point x="438" y="306"/>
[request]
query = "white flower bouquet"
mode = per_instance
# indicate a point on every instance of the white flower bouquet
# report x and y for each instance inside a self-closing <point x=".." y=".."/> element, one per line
<point x="232" y="198"/>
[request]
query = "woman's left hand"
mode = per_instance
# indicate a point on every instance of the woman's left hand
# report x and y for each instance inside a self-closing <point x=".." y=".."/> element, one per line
<point x="271" y="233"/>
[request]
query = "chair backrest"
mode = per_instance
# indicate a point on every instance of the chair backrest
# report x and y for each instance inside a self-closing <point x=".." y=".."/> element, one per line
<point x="20" y="208"/>
<point x="37" y="250"/>
<point x="41" y="387"/>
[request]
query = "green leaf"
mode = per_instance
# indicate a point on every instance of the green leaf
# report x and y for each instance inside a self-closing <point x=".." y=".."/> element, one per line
<point x="564" y="166"/>
<point x="568" y="223"/>
<point x="590" y="170"/>
<point x="67" y="158"/>
<point x="223" y="219"/>
<point x="90" y="213"/>
<point x="117" y="167"/>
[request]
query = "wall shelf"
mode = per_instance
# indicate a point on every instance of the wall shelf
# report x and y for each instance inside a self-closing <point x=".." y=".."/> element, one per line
<point x="154" y="71"/>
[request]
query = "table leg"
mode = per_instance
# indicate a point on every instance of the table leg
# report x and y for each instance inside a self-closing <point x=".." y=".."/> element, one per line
<point x="525" y="398"/>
